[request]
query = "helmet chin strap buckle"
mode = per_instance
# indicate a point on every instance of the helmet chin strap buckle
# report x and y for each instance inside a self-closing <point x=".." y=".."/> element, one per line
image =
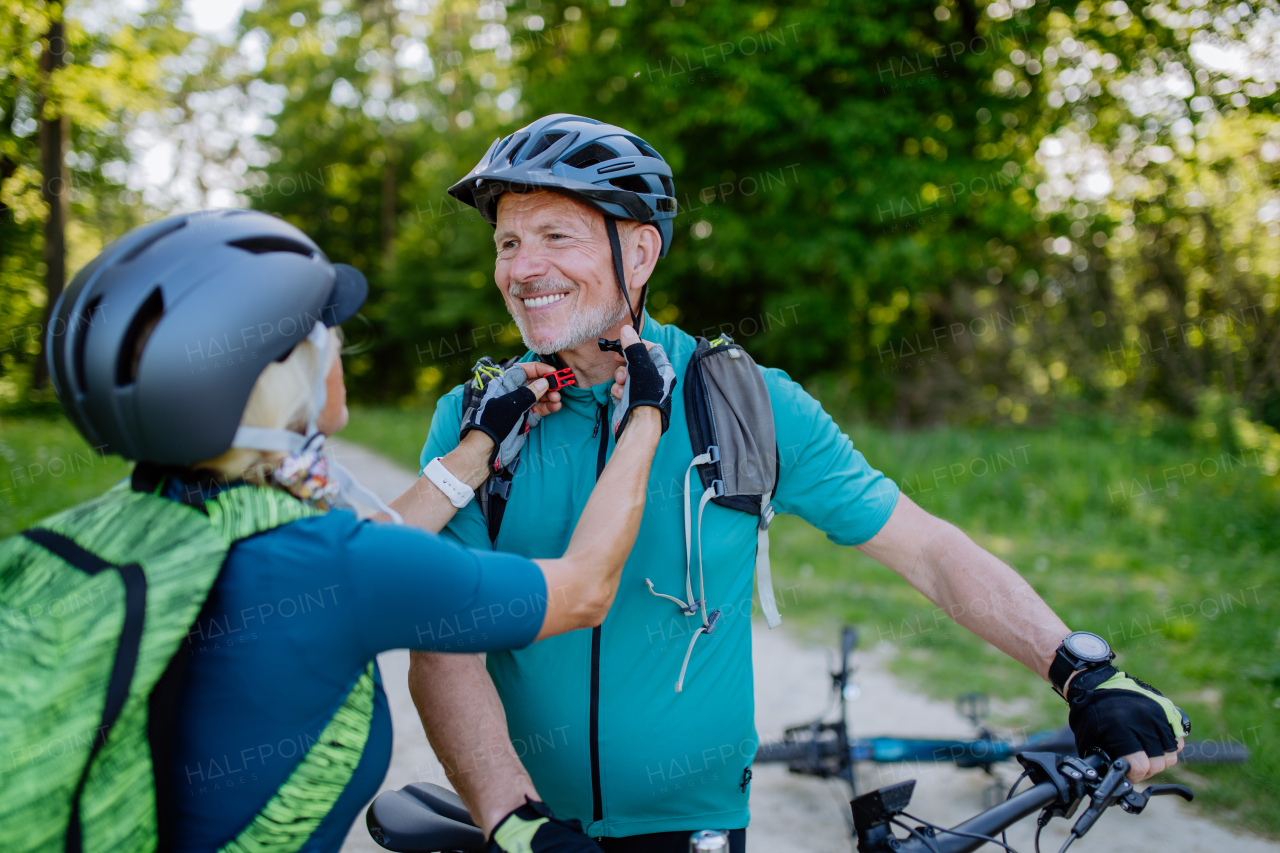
<point x="560" y="379"/>
<point x="607" y="345"/>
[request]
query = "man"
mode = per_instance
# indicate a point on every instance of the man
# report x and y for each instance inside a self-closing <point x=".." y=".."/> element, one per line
<point x="582" y="213"/>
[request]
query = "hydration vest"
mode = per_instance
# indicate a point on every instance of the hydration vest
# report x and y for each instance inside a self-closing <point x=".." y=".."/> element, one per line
<point x="95" y="605"/>
<point x="735" y="450"/>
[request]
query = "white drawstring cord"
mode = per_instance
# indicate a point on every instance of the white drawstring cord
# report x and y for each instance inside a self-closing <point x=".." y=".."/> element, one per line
<point x="692" y="605"/>
<point x="685" y="608"/>
<point x="705" y="629"/>
<point x="685" y="665"/>
<point x="702" y="459"/>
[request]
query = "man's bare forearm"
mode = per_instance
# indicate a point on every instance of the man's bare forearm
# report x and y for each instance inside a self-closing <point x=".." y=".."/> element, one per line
<point x="972" y="586"/>
<point x="467" y="727"/>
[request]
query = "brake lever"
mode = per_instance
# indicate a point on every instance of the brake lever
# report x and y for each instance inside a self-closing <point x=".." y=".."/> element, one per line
<point x="1114" y="786"/>
<point x="1135" y="801"/>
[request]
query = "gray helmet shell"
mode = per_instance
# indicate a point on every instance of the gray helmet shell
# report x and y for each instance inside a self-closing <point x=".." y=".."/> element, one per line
<point x="225" y="293"/>
<point x="601" y="165"/>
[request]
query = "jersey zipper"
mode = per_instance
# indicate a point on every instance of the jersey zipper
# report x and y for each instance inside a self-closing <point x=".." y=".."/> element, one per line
<point x="597" y="799"/>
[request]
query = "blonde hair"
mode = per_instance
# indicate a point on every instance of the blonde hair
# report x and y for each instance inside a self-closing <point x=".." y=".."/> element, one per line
<point x="282" y="398"/>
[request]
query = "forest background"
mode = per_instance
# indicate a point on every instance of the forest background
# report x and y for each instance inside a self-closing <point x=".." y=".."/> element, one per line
<point x="956" y="212"/>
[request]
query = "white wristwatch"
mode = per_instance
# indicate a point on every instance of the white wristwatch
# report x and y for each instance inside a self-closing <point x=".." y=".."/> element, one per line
<point x="458" y="492"/>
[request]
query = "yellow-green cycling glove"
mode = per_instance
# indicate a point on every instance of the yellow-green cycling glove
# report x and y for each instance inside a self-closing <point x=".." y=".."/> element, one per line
<point x="534" y="828"/>
<point x="1115" y="712"/>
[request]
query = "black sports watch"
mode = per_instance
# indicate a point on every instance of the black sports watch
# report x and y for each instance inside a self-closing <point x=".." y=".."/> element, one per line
<point x="1080" y="651"/>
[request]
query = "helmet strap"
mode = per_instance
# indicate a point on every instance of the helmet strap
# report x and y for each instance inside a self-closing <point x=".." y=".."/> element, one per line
<point x="308" y="453"/>
<point x="615" y="245"/>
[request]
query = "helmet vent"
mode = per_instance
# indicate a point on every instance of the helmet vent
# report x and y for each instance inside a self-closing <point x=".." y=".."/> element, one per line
<point x="83" y="321"/>
<point x="590" y="156"/>
<point x="262" y="245"/>
<point x="543" y="144"/>
<point x="145" y="244"/>
<point x="632" y="183"/>
<point x="135" y="339"/>
<point x="519" y="140"/>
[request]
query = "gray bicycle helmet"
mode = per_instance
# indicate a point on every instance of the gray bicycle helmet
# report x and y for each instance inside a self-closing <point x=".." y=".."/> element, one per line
<point x="156" y="344"/>
<point x="601" y="165"/>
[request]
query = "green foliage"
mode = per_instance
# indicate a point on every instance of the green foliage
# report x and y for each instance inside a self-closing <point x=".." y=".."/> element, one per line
<point x="820" y="152"/>
<point x="958" y="212"/>
<point x="115" y="71"/>
<point x="898" y="196"/>
<point x="376" y="119"/>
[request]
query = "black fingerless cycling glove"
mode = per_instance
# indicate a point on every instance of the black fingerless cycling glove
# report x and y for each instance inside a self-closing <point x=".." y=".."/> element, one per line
<point x="1117" y="713"/>
<point x="503" y="413"/>
<point x="534" y="828"/>
<point x="650" y="381"/>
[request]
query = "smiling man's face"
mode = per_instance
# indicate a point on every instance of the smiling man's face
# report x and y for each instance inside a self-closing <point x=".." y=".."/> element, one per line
<point x="555" y="270"/>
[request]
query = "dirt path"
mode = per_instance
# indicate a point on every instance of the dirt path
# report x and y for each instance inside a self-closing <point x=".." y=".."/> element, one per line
<point x="803" y="815"/>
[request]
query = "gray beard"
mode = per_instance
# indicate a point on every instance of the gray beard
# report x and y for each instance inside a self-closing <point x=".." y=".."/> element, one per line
<point x="584" y="326"/>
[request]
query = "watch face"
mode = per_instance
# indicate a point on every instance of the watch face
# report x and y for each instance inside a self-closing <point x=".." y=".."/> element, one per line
<point x="1087" y="647"/>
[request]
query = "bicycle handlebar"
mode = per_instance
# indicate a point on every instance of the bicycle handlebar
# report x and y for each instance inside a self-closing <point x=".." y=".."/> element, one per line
<point x="993" y="820"/>
<point x="1060" y="784"/>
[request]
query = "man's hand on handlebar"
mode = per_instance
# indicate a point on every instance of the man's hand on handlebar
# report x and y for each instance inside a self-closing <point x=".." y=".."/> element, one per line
<point x="1117" y="713"/>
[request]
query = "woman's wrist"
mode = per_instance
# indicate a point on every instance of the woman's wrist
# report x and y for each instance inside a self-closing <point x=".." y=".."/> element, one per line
<point x="469" y="461"/>
<point x="645" y="421"/>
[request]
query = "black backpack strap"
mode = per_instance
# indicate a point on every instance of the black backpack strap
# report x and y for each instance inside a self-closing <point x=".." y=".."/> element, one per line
<point x="126" y="658"/>
<point x="493" y="495"/>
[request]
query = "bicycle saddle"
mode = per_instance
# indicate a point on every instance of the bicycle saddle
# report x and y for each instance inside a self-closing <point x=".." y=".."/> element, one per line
<point x="423" y="818"/>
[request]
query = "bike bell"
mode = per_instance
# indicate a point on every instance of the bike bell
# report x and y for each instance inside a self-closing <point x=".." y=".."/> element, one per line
<point x="709" y="839"/>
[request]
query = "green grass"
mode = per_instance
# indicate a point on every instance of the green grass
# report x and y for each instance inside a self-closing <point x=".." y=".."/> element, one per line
<point x="1183" y="584"/>
<point x="45" y="466"/>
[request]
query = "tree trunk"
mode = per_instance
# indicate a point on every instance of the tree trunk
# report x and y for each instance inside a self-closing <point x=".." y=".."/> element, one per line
<point x="7" y="166"/>
<point x="54" y="130"/>
<point x="388" y="211"/>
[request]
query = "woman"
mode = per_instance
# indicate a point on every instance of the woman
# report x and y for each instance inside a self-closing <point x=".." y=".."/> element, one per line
<point x="204" y="347"/>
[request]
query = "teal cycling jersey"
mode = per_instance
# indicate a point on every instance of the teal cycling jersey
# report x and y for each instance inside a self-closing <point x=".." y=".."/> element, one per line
<point x="594" y="714"/>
